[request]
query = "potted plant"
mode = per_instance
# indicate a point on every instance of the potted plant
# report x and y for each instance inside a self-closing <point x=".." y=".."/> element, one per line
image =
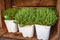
<point x="24" y="19"/>
<point x="44" y="19"/>
<point x="9" y="15"/>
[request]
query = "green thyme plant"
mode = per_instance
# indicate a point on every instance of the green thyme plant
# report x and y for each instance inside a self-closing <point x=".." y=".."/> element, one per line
<point x="25" y="16"/>
<point x="9" y="14"/>
<point x="45" y="16"/>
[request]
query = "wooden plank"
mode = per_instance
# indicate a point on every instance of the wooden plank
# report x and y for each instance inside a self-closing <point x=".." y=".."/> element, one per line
<point x="2" y="28"/>
<point x="58" y="10"/>
<point x="0" y="17"/>
<point x="7" y="4"/>
<point x="36" y="3"/>
<point x="18" y="35"/>
<point x="2" y="5"/>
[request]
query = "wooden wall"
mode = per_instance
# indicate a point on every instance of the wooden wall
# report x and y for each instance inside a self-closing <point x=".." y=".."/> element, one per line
<point x="7" y="4"/>
<point x="2" y="5"/>
<point x="33" y="2"/>
<point x="58" y="10"/>
<point x="29" y="3"/>
<point x="2" y="27"/>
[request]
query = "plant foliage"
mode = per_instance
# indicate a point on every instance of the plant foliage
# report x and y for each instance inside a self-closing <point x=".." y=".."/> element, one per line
<point x="42" y="16"/>
<point x="45" y="16"/>
<point x="9" y="14"/>
<point x="25" y="16"/>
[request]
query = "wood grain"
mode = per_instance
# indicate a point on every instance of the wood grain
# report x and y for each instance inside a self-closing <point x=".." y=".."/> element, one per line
<point x="34" y="3"/>
<point x="2" y="5"/>
<point x="17" y="35"/>
<point x="8" y="4"/>
<point x="2" y="27"/>
<point x="58" y="10"/>
<point x="0" y="17"/>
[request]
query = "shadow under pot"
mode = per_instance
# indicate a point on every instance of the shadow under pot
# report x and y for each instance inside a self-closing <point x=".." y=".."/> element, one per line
<point x="27" y="31"/>
<point x="42" y="32"/>
<point x="11" y="26"/>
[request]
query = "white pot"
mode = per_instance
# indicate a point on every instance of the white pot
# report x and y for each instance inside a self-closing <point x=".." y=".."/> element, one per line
<point x="42" y="32"/>
<point x="27" y="31"/>
<point x="11" y="26"/>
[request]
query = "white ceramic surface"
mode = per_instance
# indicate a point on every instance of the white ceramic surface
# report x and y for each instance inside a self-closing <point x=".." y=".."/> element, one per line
<point x="27" y="31"/>
<point x="11" y="26"/>
<point x="42" y="32"/>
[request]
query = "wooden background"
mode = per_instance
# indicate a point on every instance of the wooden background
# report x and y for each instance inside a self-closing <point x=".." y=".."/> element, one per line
<point x="30" y="3"/>
<point x="33" y="2"/>
<point x="5" y="4"/>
